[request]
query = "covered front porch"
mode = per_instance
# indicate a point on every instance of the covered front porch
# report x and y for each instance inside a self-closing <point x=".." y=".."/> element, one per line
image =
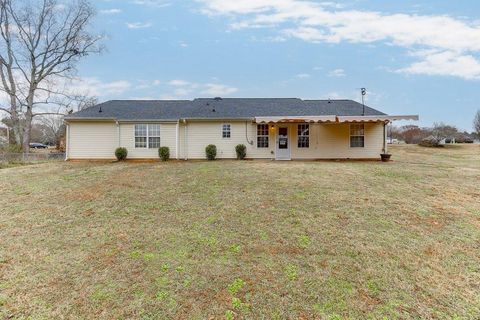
<point x="325" y="137"/>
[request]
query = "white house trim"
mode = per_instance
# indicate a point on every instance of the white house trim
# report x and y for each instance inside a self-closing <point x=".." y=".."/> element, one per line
<point x="177" y="135"/>
<point x="375" y="118"/>
<point x="277" y="119"/>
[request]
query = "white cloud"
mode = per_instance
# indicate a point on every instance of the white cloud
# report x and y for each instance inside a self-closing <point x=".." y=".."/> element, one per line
<point x="110" y="11"/>
<point x="445" y="63"/>
<point x="97" y="88"/>
<point x="153" y="3"/>
<point x="146" y="84"/>
<point x="325" y="22"/>
<point x="332" y="95"/>
<point x="138" y="25"/>
<point x="218" y="90"/>
<point x="182" y="92"/>
<point x="268" y="39"/>
<point x="141" y="98"/>
<point x="337" y="73"/>
<point x="302" y="76"/>
<point x="178" y="83"/>
<point x="182" y="89"/>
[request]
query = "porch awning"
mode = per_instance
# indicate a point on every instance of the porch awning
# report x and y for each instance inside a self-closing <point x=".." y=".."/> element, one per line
<point x="283" y="119"/>
<point x="338" y="119"/>
<point x="385" y="118"/>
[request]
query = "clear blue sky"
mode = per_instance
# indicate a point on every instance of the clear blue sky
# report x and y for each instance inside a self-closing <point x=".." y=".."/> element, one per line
<point x="414" y="57"/>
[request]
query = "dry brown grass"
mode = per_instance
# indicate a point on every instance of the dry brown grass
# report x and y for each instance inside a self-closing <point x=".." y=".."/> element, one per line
<point x="252" y="239"/>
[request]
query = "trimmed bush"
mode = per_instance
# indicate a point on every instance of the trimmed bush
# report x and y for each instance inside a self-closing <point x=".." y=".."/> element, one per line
<point x="211" y="152"/>
<point x="121" y="153"/>
<point x="430" y="142"/>
<point x="241" y="151"/>
<point x="164" y="153"/>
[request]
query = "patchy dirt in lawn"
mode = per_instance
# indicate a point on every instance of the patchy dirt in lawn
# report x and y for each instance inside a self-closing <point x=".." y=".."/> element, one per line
<point x="248" y="239"/>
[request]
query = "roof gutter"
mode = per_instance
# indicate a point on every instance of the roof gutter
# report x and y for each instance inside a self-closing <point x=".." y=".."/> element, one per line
<point x="156" y="120"/>
<point x="221" y="119"/>
<point x="66" y="119"/>
<point x="147" y="120"/>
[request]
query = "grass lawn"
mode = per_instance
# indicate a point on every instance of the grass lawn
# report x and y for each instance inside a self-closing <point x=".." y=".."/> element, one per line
<point x="244" y="239"/>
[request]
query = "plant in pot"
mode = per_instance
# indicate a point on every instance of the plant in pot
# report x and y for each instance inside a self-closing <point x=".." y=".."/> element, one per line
<point x="385" y="156"/>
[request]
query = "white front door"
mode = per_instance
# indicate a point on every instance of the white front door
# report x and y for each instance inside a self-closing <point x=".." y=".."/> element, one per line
<point x="282" y="144"/>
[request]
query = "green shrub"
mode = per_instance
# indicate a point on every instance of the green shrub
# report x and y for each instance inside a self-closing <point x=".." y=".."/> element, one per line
<point x="211" y="152"/>
<point x="121" y="153"/>
<point x="164" y="153"/>
<point x="241" y="151"/>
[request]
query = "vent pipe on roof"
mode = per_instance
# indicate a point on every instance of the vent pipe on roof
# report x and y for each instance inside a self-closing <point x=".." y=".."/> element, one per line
<point x="213" y="108"/>
<point x="100" y="110"/>
<point x="217" y="98"/>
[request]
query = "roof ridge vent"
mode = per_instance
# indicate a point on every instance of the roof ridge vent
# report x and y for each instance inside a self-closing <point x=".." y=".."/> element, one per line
<point x="217" y="98"/>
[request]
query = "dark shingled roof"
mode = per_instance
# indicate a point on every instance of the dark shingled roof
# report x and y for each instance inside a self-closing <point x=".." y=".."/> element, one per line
<point x="225" y="108"/>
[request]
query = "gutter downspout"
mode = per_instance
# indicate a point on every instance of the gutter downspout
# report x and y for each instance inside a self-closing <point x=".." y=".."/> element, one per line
<point x="185" y="140"/>
<point x="385" y="137"/>
<point x="246" y="134"/>
<point x="67" y="142"/>
<point x="118" y="134"/>
<point x="177" y="129"/>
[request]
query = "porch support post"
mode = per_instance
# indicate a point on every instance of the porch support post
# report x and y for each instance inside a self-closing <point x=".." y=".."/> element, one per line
<point x="385" y="137"/>
<point x="67" y="142"/>
<point x="185" y="147"/>
<point x="177" y="145"/>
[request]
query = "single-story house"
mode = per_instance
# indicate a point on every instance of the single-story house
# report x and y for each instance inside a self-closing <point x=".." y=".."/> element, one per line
<point x="276" y="128"/>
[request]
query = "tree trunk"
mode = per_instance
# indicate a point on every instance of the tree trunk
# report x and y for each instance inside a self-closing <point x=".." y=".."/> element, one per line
<point x="16" y="127"/>
<point x="27" y="132"/>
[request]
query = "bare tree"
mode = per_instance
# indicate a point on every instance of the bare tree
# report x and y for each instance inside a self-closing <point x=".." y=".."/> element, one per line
<point x="42" y="42"/>
<point x="7" y="68"/>
<point x="442" y="131"/>
<point x="81" y="102"/>
<point x="476" y="123"/>
<point x="53" y="128"/>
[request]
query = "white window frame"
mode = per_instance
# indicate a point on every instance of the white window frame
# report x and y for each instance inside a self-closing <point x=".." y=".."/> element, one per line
<point x="135" y="136"/>
<point x="357" y="130"/>
<point x="301" y="134"/>
<point x="147" y="136"/>
<point x="263" y="135"/>
<point x="226" y="130"/>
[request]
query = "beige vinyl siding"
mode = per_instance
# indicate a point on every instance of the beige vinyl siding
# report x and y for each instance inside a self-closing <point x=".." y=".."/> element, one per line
<point x="332" y="141"/>
<point x="98" y="140"/>
<point x="201" y="134"/>
<point x="167" y="139"/>
<point x="92" y="140"/>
